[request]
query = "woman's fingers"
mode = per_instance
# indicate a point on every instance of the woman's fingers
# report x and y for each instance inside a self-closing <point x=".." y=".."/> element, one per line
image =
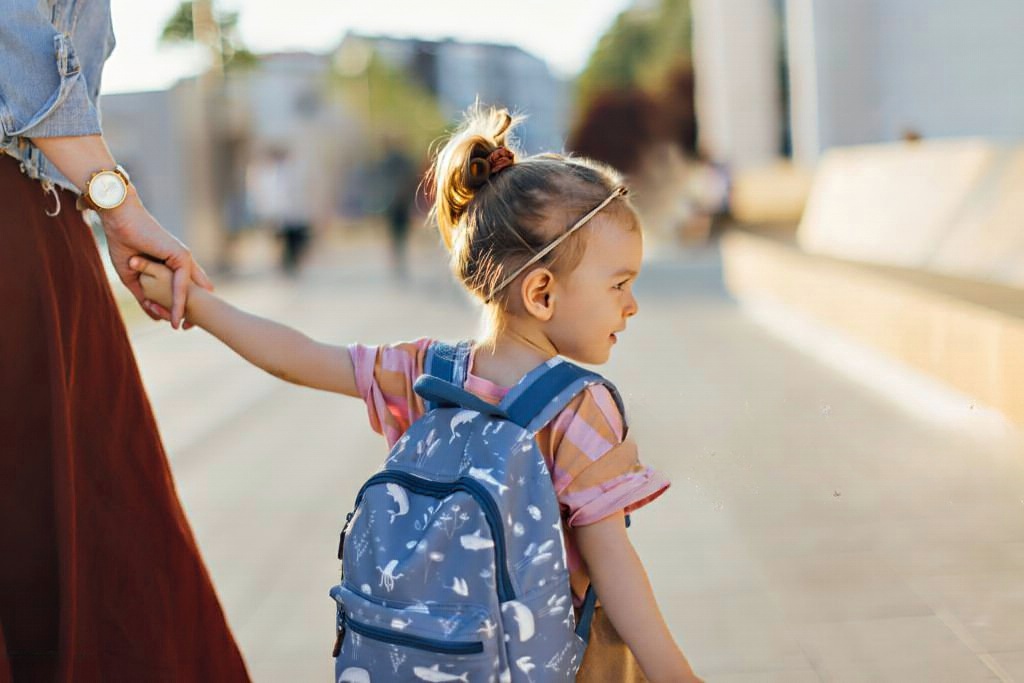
<point x="179" y="290"/>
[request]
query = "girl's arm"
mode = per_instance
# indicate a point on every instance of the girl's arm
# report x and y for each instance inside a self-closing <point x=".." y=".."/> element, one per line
<point x="278" y="349"/>
<point x="626" y="596"/>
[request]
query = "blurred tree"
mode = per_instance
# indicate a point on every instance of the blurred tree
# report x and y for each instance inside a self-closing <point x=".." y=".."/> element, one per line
<point x="218" y="31"/>
<point x="637" y="88"/>
<point x="620" y="125"/>
<point x="395" y="107"/>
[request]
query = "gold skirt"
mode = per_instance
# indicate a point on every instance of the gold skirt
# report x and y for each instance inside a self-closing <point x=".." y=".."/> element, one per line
<point x="608" y="659"/>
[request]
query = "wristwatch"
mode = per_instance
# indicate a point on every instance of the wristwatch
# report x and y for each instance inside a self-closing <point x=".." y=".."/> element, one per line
<point x="106" y="189"/>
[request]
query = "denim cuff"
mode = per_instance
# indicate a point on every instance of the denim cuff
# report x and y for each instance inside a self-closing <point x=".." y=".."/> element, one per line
<point x="67" y="112"/>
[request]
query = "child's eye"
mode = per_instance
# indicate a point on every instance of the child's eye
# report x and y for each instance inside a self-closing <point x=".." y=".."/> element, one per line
<point x="621" y="285"/>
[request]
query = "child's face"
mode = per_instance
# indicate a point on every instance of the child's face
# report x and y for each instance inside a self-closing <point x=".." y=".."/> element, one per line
<point x="594" y="301"/>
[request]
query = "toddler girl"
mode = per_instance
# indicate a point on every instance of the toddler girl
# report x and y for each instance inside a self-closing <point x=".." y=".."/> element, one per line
<point x="552" y="247"/>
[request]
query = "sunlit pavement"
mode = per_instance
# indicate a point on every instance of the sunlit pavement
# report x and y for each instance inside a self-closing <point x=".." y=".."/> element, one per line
<point x="817" y="529"/>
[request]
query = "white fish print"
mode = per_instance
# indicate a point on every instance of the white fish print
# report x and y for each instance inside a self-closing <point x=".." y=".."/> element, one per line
<point x="534" y="512"/>
<point x="475" y="541"/>
<point x="462" y="417"/>
<point x="399" y="495"/>
<point x="435" y="675"/>
<point x="354" y="674"/>
<point x="518" y="529"/>
<point x="488" y="629"/>
<point x="460" y="586"/>
<point x="523" y="617"/>
<point x="400" y="625"/>
<point x="484" y="475"/>
<point x="543" y="553"/>
<point x="526" y="665"/>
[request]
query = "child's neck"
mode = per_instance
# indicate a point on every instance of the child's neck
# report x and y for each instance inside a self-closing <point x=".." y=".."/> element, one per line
<point x="505" y="357"/>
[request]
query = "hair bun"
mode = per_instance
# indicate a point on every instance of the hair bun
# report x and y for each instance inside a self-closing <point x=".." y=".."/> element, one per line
<point x="478" y="170"/>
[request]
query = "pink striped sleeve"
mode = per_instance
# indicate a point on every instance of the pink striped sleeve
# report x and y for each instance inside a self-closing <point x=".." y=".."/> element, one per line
<point x="596" y="470"/>
<point x="384" y="377"/>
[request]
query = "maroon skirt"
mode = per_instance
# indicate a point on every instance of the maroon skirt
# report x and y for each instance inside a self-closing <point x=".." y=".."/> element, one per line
<point x="100" y="576"/>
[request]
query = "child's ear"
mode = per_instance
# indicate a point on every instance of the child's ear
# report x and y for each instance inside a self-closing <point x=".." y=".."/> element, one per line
<point x="539" y="294"/>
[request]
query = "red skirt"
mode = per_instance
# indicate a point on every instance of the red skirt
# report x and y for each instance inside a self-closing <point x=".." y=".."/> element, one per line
<point x="100" y="577"/>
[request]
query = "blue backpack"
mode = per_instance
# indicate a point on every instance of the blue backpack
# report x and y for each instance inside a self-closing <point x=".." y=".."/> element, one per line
<point x="453" y="561"/>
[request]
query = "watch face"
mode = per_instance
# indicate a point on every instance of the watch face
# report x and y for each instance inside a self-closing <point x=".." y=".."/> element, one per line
<point x="107" y="190"/>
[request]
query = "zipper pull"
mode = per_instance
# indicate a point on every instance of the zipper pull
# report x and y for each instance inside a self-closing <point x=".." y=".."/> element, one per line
<point x="341" y="635"/>
<point x="344" y="530"/>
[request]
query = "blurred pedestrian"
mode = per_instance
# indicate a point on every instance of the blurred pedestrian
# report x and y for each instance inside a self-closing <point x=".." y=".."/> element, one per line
<point x="101" y="579"/>
<point x="279" y="196"/>
<point x="552" y="247"/>
<point x="399" y="178"/>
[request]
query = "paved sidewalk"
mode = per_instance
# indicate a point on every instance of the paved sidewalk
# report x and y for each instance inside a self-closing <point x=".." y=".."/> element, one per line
<point x="815" y="531"/>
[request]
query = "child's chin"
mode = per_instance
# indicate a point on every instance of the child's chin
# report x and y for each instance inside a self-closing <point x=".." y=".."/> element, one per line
<point x="598" y="357"/>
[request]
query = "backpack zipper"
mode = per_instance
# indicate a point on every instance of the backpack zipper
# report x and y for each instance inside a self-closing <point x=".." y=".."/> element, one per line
<point x="441" y="490"/>
<point x="389" y="636"/>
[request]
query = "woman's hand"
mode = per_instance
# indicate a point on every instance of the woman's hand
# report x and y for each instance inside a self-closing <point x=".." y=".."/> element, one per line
<point x="132" y="231"/>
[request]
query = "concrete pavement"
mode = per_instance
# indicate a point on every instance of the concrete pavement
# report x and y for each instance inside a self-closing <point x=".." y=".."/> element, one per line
<point x="818" y="528"/>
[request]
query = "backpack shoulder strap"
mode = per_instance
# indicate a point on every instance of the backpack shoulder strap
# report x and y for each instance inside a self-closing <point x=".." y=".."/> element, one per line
<point x="447" y="362"/>
<point x="437" y="393"/>
<point x="548" y="389"/>
<point x="534" y="402"/>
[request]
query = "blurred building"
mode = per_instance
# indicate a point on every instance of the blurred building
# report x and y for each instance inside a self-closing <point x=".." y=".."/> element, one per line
<point x="797" y="77"/>
<point x="162" y="138"/>
<point x="190" y="149"/>
<point x="459" y="73"/>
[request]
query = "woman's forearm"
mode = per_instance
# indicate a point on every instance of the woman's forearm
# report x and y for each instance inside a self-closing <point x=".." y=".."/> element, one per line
<point x="77" y="157"/>
<point x="278" y="349"/>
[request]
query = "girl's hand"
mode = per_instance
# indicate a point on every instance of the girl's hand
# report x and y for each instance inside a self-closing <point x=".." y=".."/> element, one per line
<point x="156" y="280"/>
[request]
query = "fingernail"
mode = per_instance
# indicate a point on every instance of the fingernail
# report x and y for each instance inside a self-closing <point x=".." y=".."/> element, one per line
<point x="133" y="262"/>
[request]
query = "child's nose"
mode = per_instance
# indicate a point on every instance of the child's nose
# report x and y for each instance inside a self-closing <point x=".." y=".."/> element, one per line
<point x="632" y="307"/>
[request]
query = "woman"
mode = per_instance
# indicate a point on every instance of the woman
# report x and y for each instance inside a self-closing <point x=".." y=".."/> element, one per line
<point x="101" y="579"/>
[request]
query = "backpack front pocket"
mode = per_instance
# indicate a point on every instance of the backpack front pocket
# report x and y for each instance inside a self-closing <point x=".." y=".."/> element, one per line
<point x="389" y="641"/>
<point x="400" y="639"/>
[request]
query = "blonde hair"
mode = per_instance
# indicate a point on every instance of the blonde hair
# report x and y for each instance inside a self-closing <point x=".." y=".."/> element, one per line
<point x="493" y="224"/>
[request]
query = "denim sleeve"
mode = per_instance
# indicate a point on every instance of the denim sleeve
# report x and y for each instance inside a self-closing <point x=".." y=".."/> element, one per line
<point x="43" y="92"/>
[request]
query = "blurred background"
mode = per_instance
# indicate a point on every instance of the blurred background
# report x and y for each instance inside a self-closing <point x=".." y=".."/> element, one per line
<point x="829" y="363"/>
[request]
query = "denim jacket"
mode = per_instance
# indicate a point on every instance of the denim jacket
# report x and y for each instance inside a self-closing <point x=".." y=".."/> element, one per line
<point x="51" y="59"/>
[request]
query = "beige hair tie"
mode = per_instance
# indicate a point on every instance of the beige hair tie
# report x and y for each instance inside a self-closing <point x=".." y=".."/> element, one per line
<point x="619" y="191"/>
